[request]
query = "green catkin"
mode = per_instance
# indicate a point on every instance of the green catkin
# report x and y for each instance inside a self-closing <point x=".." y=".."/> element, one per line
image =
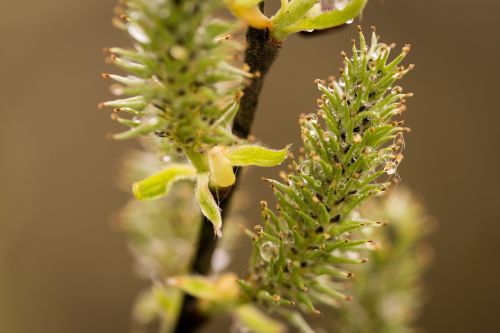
<point x="183" y="90"/>
<point x="348" y="147"/>
<point x="401" y="256"/>
<point x="180" y="81"/>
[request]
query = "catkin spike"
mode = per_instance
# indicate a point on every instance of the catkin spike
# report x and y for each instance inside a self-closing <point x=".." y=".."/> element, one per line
<point x="345" y="153"/>
<point x="192" y="85"/>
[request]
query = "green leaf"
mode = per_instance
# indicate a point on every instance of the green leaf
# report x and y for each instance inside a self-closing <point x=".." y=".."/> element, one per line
<point x="256" y="155"/>
<point x="207" y="203"/>
<point x="198" y="286"/>
<point x="246" y="3"/>
<point x="257" y="321"/>
<point x="317" y="20"/>
<point x="290" y="14"/>
<point x="159" y="184"/>
<point x="224" y="289"/>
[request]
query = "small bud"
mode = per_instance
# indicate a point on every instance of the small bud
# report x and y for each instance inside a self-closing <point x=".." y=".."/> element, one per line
<point x="221" y="170"/>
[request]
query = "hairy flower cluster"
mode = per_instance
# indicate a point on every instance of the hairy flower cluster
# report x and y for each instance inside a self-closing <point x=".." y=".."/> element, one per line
<point x="183" y="90"/>
<point x="401" y="258"/>
<point x="161" y="236"/>
<point x="180" y="83"/>
<point x="161" y="233"/>
<point x="349" y="145"/>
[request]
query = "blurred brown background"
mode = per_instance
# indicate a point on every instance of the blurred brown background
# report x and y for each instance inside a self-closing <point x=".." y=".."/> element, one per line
<point x="64" y="269"/>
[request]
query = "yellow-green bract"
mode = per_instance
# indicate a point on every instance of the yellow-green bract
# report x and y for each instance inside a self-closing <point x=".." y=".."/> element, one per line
<point x="207" y="203"/>
<point x="220" y="161"/>
<point x="244" y="155"/>
<point x="160" y="183"/>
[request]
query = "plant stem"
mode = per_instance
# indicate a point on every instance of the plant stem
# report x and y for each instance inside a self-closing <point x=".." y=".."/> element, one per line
<point x="260" y="54"/>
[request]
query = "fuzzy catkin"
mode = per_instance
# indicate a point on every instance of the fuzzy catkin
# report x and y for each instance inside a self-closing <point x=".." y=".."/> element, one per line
<point x="301" y="251"/>
<point x="180" y="81"/>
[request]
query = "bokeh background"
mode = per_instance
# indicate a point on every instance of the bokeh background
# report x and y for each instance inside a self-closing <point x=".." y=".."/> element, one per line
<point x="63" y="267"/>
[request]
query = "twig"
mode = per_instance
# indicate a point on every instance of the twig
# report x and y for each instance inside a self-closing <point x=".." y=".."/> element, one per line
<point x="260" y="54"/>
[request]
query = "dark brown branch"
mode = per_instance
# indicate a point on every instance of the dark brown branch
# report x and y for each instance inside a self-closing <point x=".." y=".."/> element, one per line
<point x="190" y="318"/>
<point x="260" y="54"/>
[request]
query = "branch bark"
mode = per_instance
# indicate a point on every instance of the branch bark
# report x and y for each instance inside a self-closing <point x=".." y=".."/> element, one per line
<point x="260" y="54"/>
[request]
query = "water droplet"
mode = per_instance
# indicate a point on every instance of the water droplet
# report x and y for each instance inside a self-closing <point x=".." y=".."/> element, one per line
<point x="304" y="168"/>
<point x="268" y="251"/>
<point x="349" y="21"/>
<point x="309" y="30"/>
